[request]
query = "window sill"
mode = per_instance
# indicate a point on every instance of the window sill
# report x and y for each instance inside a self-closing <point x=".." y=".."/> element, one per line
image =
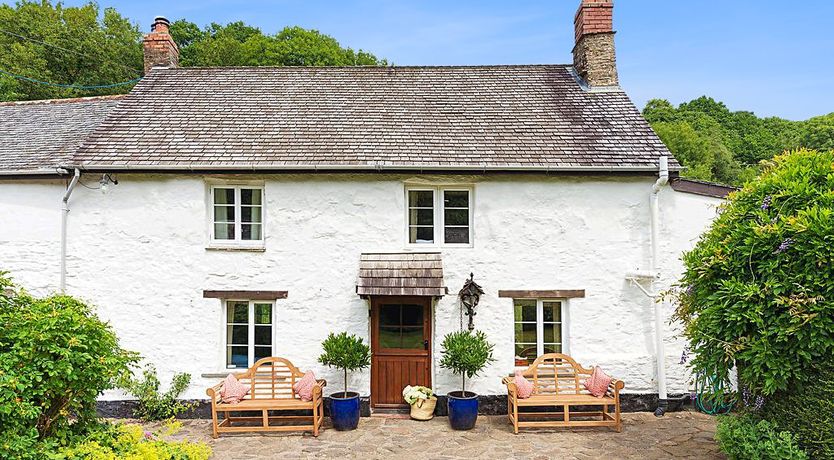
<point x="232" y="247"/>
<point x="417" y="247"/>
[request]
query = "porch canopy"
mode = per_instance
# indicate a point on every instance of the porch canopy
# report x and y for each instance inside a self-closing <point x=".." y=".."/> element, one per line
<point x="401" y="274"/>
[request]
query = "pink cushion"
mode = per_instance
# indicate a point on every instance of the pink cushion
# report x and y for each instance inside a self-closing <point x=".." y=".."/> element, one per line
<point x="304" y="387"/>
<point x="598" y="382"/>
<point x="233" y="391"/>
<point x="524" y="387"/>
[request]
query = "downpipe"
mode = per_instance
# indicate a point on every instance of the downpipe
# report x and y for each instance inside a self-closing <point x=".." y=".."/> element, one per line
<point x="659" y="319"/>
<point x="64" y="214"/>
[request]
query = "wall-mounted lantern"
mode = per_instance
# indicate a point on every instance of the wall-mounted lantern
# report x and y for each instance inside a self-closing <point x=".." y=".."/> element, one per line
<point x="469" y="296"/>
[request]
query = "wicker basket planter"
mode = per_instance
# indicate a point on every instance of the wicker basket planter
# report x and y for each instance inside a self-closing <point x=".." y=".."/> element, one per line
<point x="423" y="409"/>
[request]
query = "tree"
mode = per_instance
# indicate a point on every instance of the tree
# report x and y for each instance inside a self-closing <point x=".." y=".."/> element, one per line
<point x="345" y="352"/>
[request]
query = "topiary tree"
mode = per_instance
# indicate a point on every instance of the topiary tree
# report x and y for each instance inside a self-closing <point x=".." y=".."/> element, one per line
<point x="757" y="292"/>
<point x="346" y="352"/>
<point x="56" y="358"/>
<point x="466" y="353"/>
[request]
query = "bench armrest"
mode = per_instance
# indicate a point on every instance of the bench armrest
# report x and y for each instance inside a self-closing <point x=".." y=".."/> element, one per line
<point x="615" y="386"/>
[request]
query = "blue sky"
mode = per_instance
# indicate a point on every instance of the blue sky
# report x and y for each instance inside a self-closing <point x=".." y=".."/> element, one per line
<point x="773" y="57"/>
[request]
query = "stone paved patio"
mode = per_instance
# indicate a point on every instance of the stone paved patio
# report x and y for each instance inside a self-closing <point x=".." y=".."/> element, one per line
<point x="678" y="435"/>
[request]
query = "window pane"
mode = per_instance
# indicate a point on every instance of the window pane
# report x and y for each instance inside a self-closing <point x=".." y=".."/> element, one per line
<point x="250" y="196"/>
<point x="421" y="217"/>
<point x="224" y="231"/>
<point x="552" y="333"/>
<point x="525" y="332"/>
<point x="389" y="337"/>
<point x="412" y="338"/>
<point x="457" y="235"/>
<point x="263" y="313"/>
<point x="224" y="196"/>
<point x="224" y="213"/>
<point x="456" y="217"/>
<point x="263" y="335"/>
<point x="420" y="199"/>
<point x="389" y="315"/>
<point x="525" y="310"/>
<point x="552" y="348"/>
<point x="250" y="214"/>
<point x="421" y="235"/>
<point x="526" y="351"/>
<point x="456" y="199"/>
<point x="412" y="315"/>
<point x="250" y="232"/>
<point x="237" y="357"/>
<point x="237" y="335"/>
<point x="262" y="352"/>
<point x="237" y="312"/>
<point x="552" y="311"/>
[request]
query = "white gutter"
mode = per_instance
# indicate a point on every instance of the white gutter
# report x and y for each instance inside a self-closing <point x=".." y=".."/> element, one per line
<point x="365" y="167"/>
<point x="658" y="303"/>
<point x="64" y="213"/>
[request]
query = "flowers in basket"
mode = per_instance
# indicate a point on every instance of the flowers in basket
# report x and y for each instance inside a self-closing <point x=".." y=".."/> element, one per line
<point x="422" y="401"/>
<point x="413" y="393"/>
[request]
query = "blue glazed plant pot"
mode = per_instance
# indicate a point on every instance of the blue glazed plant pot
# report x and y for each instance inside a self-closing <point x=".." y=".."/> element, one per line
<point x="463" y="409"/>
<point x="344" y="410"/>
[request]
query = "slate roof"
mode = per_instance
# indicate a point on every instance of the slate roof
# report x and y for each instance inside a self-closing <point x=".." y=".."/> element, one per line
<point x="422" y="118"/>
<point x="409" y="274"/>
<point x="38" y="136"/>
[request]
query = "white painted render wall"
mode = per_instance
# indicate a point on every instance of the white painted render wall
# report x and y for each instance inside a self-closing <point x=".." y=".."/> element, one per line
<point x="139" y="254"/>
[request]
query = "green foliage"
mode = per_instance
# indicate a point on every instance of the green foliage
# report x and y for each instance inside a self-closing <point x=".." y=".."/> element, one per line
<point x="466" y="353"/>
<point x="807" y="411"/>
<point x="346" y="352"/>
<point x="236" y="44"/>
<point x="130" y="442"/>
<point x="746" y="438"/>
<point x="716" y="144"/>
<point x="153" y="404"/>
<point x="56" y="357"/>
<point x="758" y="288"/>
<point x="100" y="49"/>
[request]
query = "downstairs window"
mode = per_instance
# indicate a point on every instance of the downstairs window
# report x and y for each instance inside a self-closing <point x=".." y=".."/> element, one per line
<point x="539" y="329"/>
<point x="249" y="332"/>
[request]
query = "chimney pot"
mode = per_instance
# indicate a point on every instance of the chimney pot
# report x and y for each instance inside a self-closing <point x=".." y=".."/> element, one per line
<point x="160" y="24"/>
<point x="593" y="53"/>
<point x="159" y="47"/>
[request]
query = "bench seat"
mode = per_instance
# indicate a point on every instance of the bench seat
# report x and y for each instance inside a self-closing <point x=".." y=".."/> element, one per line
<point x="562" y="399"/>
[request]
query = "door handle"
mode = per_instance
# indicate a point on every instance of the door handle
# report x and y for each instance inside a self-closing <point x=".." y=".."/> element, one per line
<point x="425" y="345"/>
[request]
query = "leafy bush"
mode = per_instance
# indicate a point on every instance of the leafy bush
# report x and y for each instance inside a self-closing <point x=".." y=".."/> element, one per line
<point x="466" y="353"/>
<point x="346" y="352"/>
<point x="153" y="404"/>
<point x="56" y="357"/>
<point x="131" y="442"/>
<point x="746" y="438"/>
<point x="807" y="411"/>
<point x="758" y="288"/>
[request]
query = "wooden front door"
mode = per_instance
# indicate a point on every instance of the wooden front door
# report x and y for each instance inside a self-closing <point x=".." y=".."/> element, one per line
<point x="400" y="346"/>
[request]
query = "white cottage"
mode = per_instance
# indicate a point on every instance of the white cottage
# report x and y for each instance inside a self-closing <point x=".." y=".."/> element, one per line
<point x="219" y="215"/>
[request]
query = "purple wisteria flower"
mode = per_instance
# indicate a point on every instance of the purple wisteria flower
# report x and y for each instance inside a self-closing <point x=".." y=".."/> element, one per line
<point x="754" y="402"/>
<point x="684" y="355"/>
<point x="689" y="289"/>
<point x="785" y="245"/>
<point x="766" y="202"/>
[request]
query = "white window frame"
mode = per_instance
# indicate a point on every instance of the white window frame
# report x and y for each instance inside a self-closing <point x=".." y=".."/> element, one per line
<point x="250" y="333"/>
<point x="565" y="325"/>
<point x="236" y="243"/>
<point x="439" y="215"/>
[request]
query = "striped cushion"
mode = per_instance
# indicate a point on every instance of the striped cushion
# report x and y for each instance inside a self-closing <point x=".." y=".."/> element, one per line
<point x="233" y="391"/>
<point x="598" y="382"/>
<point x="304" y="387"/>
<point x="524" y="387"/>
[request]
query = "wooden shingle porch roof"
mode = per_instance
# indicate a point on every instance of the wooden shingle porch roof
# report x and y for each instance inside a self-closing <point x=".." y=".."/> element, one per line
<point x="401" y="274"/>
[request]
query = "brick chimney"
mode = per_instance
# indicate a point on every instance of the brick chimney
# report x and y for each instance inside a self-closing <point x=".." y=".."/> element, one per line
<point x="159" y="48"/>
<point x="593" y="53"/>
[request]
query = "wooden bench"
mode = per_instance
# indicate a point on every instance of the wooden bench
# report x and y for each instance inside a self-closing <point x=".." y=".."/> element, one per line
<point x="271" y="383"/>
<point x="558" y="382"/>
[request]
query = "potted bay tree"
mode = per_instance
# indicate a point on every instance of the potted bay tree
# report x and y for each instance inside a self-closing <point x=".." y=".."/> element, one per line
<point x="466" y="353"/>
<point x="348" y="353"/>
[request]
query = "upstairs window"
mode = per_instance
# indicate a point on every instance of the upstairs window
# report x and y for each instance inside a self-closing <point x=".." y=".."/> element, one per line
<point x="248" y="332"/>
<point x="237" y="215"/>
<point x="439" y="215"/>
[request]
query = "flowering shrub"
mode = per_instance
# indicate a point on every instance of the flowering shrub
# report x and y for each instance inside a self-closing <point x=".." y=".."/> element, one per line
<point x="412" y="393"/>
<point x="131" y="442"/>
<point x="153" y="404"/>
<point x="758" y="289"/>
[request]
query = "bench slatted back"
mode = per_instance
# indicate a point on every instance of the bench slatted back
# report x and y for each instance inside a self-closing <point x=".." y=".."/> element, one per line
<point x="556" y="373"/>
<point x="271" y="378"/>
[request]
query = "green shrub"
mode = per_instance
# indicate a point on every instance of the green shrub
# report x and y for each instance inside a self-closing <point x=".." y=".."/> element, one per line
<point x="758" y="289"/>
<point x="466" y="353"/>
<point x="56" y="358"/>
<point x="131" y="442"/>
<point x="807" y="411"/>
<point x="744" y="437"/>
<point x="346" y="352"/>
<point x="153" y="404"/>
